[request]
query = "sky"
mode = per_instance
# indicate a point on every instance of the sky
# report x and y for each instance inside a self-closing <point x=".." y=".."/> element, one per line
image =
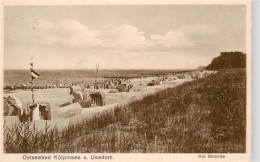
<point x="121" y="36"/>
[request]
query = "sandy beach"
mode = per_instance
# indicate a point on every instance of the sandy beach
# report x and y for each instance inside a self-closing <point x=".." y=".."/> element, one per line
<point x="73" y="113"/>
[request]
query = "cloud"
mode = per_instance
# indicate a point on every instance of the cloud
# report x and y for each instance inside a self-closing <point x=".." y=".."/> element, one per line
<point x="184" y="38"/>
<point x="172" y="39"/>
<point x="124" y="37"/>
<point x="72" y="34"/>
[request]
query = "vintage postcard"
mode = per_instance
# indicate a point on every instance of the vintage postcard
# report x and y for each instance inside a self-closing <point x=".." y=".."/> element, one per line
<point x="125" y="80"/>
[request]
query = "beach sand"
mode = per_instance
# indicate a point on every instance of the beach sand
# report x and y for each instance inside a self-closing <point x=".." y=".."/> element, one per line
<point x="73" y="113"/>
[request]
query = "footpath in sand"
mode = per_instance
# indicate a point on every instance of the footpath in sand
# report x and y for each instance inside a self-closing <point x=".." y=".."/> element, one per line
<point x="63" y="116"/>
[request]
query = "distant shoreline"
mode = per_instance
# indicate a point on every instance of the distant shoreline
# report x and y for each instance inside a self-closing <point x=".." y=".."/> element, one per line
<point x="50" y="77"/>
<point x="106" y="69"/>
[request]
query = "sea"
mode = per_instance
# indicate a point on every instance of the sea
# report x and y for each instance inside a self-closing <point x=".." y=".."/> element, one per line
<point x="47" y="77"/>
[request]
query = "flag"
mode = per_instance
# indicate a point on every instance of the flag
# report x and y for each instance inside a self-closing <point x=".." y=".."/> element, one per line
<point x="31" y="62"/>
<point x="34" y="75"/>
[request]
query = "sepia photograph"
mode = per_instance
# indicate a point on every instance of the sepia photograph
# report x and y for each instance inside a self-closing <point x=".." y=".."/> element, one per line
<point x="107" y="79"/>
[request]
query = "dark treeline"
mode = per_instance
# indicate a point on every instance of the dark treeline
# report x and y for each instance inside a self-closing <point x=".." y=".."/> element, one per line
<point x="228" y="60"/>
<point x="207" y="115"/>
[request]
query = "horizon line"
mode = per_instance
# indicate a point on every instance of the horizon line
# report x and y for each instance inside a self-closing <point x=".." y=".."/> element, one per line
<point x="108" y="69"/>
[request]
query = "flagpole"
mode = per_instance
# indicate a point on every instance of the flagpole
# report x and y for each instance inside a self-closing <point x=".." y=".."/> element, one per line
<point x="32" y="91"/>
<point x="97" y="67"/>
<point x="32" y="79"/>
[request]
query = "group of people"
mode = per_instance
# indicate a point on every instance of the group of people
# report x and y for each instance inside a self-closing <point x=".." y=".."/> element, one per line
<point x="193" y="75"/>
<point x="108" y="84"/>
<point x="29" y="86"/>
